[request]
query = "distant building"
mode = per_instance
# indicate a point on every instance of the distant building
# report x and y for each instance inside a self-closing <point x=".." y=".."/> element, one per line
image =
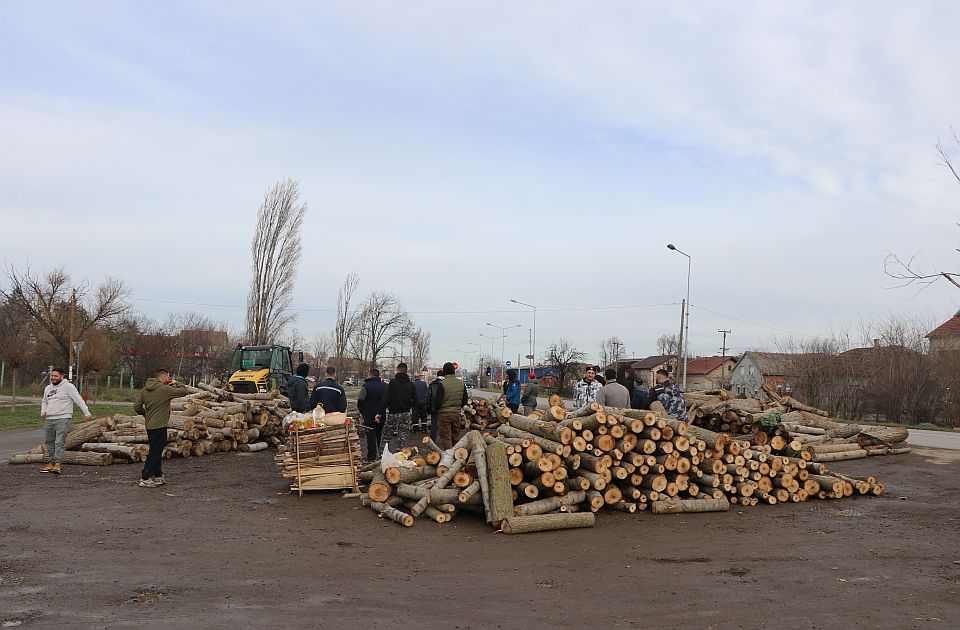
<point x="709" y="372"/>
<point x="644" y="369"/>
<point x="756" y="368"/>
<point x="946" y="336"/>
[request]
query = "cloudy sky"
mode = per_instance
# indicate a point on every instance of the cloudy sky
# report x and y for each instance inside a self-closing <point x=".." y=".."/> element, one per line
<point x="460" y="154"/>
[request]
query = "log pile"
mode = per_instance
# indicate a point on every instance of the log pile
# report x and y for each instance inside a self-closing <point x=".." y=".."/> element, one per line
<point x="322" y="458"/>
<point x="206" y="421"/>
<point x="828" y="440"/>
<point x="480" y="413"/>
<point x="534" y="474"/>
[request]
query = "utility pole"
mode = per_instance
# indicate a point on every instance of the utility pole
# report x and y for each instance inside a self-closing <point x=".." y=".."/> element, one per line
<point x="73" y="310"/>
<point x="680" y="353"/>
<point x="723" y="351"/>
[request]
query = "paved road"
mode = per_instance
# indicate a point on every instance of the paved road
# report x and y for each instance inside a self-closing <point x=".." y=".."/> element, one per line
<point x="931" y="439"/>
<point x="16" y="441"/>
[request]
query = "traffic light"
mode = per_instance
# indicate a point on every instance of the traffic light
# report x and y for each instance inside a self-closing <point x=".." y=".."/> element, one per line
<point x="488" y="371"/>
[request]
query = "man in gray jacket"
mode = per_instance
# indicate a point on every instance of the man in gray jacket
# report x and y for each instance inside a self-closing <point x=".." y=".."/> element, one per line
<point x="613" y="394"/>
<point x="56" y="408"/>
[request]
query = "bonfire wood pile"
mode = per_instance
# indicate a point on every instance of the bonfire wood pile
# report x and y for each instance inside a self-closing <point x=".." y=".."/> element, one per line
<point x="208" y="420"/>
<point x="811" y="428"/>
<point x="536" y="473"/>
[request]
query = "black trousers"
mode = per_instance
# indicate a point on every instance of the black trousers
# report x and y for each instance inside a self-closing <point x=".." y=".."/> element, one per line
<point x="373" y="431"/>
<point x="420" y="415"/>
<point x="513" y="407"/>
<point x="158" y="439"/>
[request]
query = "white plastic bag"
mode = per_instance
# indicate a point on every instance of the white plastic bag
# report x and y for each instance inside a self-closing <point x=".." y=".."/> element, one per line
<point x="393" y="460"/>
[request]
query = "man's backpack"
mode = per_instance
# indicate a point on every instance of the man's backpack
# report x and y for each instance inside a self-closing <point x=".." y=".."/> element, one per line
<point x="435" y="396"/>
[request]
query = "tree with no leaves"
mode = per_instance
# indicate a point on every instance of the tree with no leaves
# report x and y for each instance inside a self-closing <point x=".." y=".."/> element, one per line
<point x="16" y="345"/>
<point x="382" y="320"/>
<point x="563" y="357"/>
<point x="276" y="256"/>
<point x="346" y="321"/>
<point x="55" y="306"/>
<point x="906" y="271"/>
<point x="611" y="350"/>
<point x="419" y="349"/>
<point x="668" y="345"/>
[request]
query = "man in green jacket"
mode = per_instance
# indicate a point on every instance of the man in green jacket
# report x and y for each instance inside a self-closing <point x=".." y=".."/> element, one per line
<point x="530" y="393"/>
<point x="448" y="413"/>
<point x="153" y="403"/>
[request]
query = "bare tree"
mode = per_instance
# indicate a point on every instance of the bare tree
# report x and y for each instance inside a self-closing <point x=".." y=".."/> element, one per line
<point x="321" y="348"/>
<point x="907" y="271"/>
<point x="564" y="358"/>
<point x="276" y="255"/>
<point x="668" y="345"/>
<point x="382" y="321"/>
<point x="419" y="349"/>
<point x="16" y="345"/>
<point x="346" y="321"/>
<point x="611" y="350"/>
<point x="61" y="311"/>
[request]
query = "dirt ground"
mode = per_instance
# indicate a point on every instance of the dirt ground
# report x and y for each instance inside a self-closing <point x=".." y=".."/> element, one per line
<point x="225" y="545"/>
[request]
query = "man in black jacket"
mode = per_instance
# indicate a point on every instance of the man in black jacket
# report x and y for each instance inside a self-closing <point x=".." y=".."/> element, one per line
<point x="329" y="393"/>
<point x="398" y="401"/>
<point x="297" y="389"/>
<point x="420" y="417"/>
<point x="369" y="403"/>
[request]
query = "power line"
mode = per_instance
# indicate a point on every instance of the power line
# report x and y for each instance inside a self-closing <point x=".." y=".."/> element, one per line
<point x="747" y="321"/>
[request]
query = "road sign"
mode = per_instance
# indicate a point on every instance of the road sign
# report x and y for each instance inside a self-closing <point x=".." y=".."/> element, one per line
<point x="456" y="365"/>
<point x="509" y="364"/>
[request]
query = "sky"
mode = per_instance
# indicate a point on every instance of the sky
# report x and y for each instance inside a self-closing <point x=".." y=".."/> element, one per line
<point x="460" y="154"/>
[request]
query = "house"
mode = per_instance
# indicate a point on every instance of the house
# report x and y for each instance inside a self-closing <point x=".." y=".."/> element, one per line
<point x="644" y="369"/>
<point x="946" y="336"/>
<point x="756" y="368"/>
<point x="708" y="372"/>
<point x="621" y="366"/>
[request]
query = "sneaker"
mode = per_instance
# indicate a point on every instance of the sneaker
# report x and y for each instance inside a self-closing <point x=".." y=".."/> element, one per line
<point x="56" y="469"/>
<point x="158" y="481"/>
<point x="147" y="483"/>
<point x="47" y="468"/>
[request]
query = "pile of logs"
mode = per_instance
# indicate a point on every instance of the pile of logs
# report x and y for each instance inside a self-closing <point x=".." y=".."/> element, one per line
<point x="560" y="469"/>
<point x="208" y="420"/>
<point x="323" y="458"/>
<point x="480" y="413"/>
<point x="826" y="439"/>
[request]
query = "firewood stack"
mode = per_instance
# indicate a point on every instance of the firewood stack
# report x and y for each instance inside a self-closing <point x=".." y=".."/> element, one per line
<point x="322" y="458"/>
<point x="206" y="421"/>
<point x="826" y="439"/>
<point x="480" y="413"/>
<point x="576" y="463"/>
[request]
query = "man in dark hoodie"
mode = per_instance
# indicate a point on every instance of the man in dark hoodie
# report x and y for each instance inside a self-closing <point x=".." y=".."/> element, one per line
<point x="153" y="403"/>
<point x="329" y="393"/>
<point x="297" y="389"/>
<point x="398" y="401"/>
<point x="369" y="403"/>
<point x="420" y="411"/>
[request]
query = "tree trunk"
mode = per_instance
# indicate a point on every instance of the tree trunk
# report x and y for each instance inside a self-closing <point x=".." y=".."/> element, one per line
<point x="546" y="522"/>
<point x="498" y="482"/>
<point x="128" y="452"/>
<point x="674" y="506"/>
<point x="75" y="458"/>
<point x="478" y="450"/>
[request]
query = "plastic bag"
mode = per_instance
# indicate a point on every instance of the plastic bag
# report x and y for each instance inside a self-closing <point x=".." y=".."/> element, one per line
<point x="393" y="460"/>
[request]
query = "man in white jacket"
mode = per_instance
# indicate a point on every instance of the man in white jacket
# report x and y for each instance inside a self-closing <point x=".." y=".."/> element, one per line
<point x="56" y="409"/>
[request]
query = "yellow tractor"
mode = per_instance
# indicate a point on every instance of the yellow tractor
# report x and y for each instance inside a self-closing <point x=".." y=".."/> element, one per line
<point x="258" y="369"/>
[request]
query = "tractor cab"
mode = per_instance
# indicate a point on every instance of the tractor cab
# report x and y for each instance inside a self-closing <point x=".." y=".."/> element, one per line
<point x="258" y="369"/>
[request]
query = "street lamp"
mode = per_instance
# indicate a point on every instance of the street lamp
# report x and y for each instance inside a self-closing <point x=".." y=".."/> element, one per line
<point x="465" y="363"/>
<point x="503" y="329"/>
<point x="533" y="349"/>
<point x="77" y="347"/>
<point x="686" y="317"/>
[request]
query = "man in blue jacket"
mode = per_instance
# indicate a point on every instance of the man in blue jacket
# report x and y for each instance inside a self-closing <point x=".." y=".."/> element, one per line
<point x="329" y="393"/>
<point x="369" y="403"/>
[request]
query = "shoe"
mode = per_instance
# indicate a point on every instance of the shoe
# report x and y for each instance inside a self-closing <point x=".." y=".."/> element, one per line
<point x="47" y="468"/>
<point x="158" y="481"/>
<point x="56" y="469"/>
<point x="147" y="483"/>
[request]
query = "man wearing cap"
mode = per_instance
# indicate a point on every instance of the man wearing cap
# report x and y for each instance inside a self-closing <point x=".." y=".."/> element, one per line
<point x="530" y="393"/>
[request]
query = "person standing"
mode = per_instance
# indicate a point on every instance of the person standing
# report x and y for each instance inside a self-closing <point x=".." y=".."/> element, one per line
<point x="434" y="400"/>
<point x="297" y="389"/>
<point x="420" y="411"/>
<point x="511" y="390"/>
<point x="669" y="396"/>
<point x="153" y="403"/>
<point x="599" y="375"/>
<point x="613" y="394"/>
<point x="640" y="397"/>
<point x="530" y="393"/>
<point x="329" y="393"/>
<point x="399" y="401"/>
<point x="56" y="409"/>
<point x="448" y="413"/>
<point x="586" y="389"/>
<point x="369" y="403"/>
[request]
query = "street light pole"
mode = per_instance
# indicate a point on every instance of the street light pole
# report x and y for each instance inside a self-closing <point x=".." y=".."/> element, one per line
<point x="686" y="320"/>
<point x="493" y="351"/>
<point x="723" y="351"/>
<point x="503" y="329"/>
<point x="533" y="350"/>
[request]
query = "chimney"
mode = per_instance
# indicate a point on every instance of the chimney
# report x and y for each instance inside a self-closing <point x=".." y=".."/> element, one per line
<point x="876" y="343"/>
